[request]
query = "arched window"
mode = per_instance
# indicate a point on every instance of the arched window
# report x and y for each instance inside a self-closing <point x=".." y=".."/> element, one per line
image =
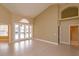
<point x="24" y="21"/>
<point x="69" y="12"/>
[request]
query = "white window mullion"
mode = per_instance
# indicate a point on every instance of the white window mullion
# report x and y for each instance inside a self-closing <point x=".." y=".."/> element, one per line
<point x="24" y="31"/>
<point x="19" y="31"/>
<point x="28" y="31"/>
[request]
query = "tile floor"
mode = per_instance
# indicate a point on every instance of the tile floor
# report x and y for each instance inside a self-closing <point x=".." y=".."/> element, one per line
<point x="36" y="48"/>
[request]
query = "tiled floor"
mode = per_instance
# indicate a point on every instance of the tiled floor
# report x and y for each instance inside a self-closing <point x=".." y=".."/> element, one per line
<point x="36" y="48"/>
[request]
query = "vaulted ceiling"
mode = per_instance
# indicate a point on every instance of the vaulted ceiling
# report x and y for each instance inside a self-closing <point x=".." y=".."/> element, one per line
<point x="27" y="9"/>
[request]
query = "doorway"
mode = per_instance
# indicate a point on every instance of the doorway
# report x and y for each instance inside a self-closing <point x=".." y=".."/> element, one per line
<point x="74" y="36"/>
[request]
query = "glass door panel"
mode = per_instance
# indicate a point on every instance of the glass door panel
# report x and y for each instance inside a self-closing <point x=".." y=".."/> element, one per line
<point x="26" y="31"/>
<point x="16" y="28"/>
<point x="16" y="31"/>
<point x="26" y="35"/>
<point x="26" y="28"/>
<point x="16" y="36"/>
<point x="21" y="35"/>
<point x="22" y="31"/>
<point x="30" y="35"/>
<point x="21" y="28"/>
<point x="30" y="29"/>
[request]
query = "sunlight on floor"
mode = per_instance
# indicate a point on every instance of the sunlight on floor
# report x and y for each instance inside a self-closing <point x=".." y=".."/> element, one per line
<point x="22" y="45"/>
<point x="4" y="47"/>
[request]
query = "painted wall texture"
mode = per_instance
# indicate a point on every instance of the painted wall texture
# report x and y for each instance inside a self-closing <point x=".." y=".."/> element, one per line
<point x="45" y="25"/>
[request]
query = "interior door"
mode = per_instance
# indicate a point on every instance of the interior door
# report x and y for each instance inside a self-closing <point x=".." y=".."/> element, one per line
<point x="74" y="36"/>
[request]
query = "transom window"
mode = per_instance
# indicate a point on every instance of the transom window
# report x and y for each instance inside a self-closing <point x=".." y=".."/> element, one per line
<point x="69" y="12"/>
<point x="24" y="21"/>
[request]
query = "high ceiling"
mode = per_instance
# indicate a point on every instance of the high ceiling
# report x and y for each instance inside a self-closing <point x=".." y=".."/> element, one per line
<point x="27" y="9"/>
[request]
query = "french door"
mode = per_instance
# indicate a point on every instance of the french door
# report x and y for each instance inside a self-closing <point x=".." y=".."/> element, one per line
<point x="22" y="31"/>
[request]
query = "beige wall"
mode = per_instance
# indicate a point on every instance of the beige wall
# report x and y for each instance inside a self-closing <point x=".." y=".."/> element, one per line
<point x="45" y="25"/>
<point x="5" y="15"/>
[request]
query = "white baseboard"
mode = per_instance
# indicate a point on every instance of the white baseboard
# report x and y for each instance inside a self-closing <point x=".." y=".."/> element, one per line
<point x="65" y="43"/>
<point x="47" y="41"/>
